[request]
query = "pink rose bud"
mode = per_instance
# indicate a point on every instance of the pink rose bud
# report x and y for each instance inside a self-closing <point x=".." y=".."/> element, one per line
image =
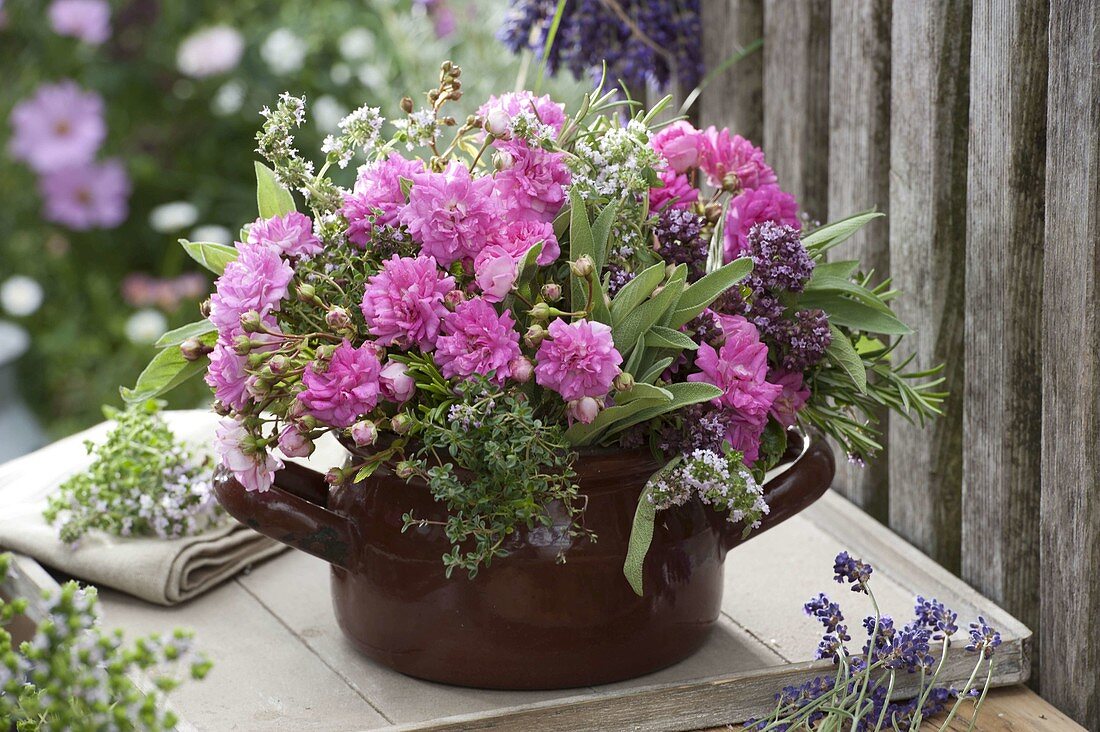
<point x="294" y="444"/>
<point x="338" y="318"/>
<point x="395" y="382"/>
<point x="242" y="345"/>
<point x="405" y="470"/>
<point x="522" y="369"/>
<point x="296" y="410"/>
<point x="334" y="476"/>
<point x="495" y="275"/>
<point x="278" y="364"/>
<point x="584" y="410"/>
<point x="497" y="122"/>
<point x="551" y="292"/>
<point x="623" y="382"/>
<point x="251" y="321"/>
<point x="583" y="267"/>
<point x="364" y="433"/>
<point x="534" y="336"/>
<point x="193" y="349"/>
<point x="401" y="423"/>
<point x="453" y="299"/>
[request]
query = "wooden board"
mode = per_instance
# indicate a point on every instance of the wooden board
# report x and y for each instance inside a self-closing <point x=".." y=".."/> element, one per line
<point x="280" y="662"/>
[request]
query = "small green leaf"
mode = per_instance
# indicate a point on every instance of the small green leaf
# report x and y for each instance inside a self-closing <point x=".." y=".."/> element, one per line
<point x="601" y="232"/>
<point x="585" y="434"/>
<point x="641" y="536"/>
<point x="367" y="471"/>
<point x="706" y="290"/>
<point x="271" y="198"/>
<point x="828" y="236"/>
<point x="854" y="314"/>
<point x="661" y="337"/>
<point x="643" y="391"/>
<point x="528" y="264"/>
<point x="406" y="186"/>
<point x="636" y="291"/>
<point x="654" y="372"/>
<point x="635" y="324"/>
<point x="832" y="283"/>
<point x="841" y="352"/>
<point x="179" y="335"/>
<point x="167" y="370"/>
<point x="580" y="244"/>
<point x="210" y="255"/>
<point x="842" y="268"/>
<point x="683" y="394"/>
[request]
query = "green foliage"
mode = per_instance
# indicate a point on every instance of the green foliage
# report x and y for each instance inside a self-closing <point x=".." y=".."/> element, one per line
<point x="271" y="198"/>
<point x="167" y="370"/>
<point x="497" y="468"/>
<point x="142" y="482"/>
<point x="72" y="676"/>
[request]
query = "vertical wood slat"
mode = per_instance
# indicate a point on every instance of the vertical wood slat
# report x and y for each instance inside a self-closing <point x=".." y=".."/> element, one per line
<point x="859" y="179"/>
<point x="928" y="147"/>
<point x="796" y="99"/>
<point x="1070" y="508"/>
<point x="734" y="99"/>
<point x="1002" y="419"/>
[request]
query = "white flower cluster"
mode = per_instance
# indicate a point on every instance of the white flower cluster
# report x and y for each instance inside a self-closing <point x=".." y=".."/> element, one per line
<point x="276" y="141"/>
<point x="360" y="130"/>
<point x="420" y="128"/>
<point x="717" y="480"/>
<point x="525" y="125"/>
<point x="616" y="162"/>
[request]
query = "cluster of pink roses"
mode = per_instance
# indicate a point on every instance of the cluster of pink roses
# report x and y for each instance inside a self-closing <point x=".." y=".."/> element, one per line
<point x="729" y="162"/>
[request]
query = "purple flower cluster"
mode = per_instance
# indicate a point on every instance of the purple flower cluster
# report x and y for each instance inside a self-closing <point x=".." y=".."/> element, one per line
<point x="780" y="262"/>
<point x="680" y="240"/>
<point x="856" y="572"/>
<point x="58" y="132"/>
<point x="641" y="41"/>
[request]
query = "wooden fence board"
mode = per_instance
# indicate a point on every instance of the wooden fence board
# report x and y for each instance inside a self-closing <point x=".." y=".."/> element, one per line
<point x="734" y="99"/>
<point x="928" y="146"/>
<point x="859" y="179"/>
<point x="1070" y="508"/>
<point x="796" y="99"/>
<point x="1003" y="406"/>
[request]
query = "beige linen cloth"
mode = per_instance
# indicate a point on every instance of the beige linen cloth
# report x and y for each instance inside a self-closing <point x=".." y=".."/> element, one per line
<point x="163" y="571"/>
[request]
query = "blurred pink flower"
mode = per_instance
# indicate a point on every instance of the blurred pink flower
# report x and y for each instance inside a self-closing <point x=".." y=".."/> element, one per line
<point x="532" y="183"/>
<point x="786" y="406"/>
<point x="256" y="280"/>
<point x="94" y="196"/>
<point x="61" y="126"/>
<point x="677" y="189"/>
<point x="725" y="154"/>
<point x="88" y="20"/>
<point x="377" y="197"/>
<point x="545" y="109"/>
<point x="227" y="377"/>
<point x="681" y="145"/>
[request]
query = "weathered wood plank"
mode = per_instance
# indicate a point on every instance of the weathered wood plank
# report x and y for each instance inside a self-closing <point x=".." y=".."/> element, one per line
<point x="1003" y="404"/>
<point x="859" y="179"/>
<point x="734" y="99"/>
<point x="796" y="99"/>
<point x="263" y="678"/>
<point x="1070" y="507"/>
<point x="930" y="47"/>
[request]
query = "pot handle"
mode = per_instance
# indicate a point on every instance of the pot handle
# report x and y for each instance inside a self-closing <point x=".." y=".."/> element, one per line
<point x="294" y="511"/>
<point x="790" y="492"/>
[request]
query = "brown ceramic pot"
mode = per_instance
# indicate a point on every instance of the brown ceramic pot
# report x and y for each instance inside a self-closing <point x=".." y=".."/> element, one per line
<point x="525" y="622"/>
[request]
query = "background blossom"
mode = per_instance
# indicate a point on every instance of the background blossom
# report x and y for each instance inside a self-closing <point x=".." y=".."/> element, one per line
<point x="88" y="20"/>
<point x="86" y="197"/>
<point x="60" y="126"/>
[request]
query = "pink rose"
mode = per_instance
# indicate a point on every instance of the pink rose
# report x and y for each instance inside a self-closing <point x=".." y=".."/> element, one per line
<point x="396" y="384"/>
<point x="584" y="410"/>
<point x="495" y="273"/>
<point x="294" y="444"/>
<point x="681" y="145"/>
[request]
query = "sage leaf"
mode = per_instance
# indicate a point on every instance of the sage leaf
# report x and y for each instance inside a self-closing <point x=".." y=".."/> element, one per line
<point x="271" y="198"/>
<point x="844" y="355"/>
<point x="585" y="434"/>
<point x="634" y="325"/>
<point x="706" y="290"/>
<point x="210" y="255"/>
<point x="636" y="291"/>
<point x="167" y="370"/>
<point x="641" y="537"/>
<point x="854" y="314"/>
<point x="826" y="237"/>
<point x="661" y="337"/>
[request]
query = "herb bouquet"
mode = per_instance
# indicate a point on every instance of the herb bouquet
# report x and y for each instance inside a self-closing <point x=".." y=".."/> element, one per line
<point x="501" y="293"/>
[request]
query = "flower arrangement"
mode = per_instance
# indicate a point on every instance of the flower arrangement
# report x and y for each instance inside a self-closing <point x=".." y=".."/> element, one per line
<point x="860" y="695"/>
<point x="496" y="292"/>
<point x="142" y="482"/>
<point x="125" y="122"/>
<point x="72" y="676"/>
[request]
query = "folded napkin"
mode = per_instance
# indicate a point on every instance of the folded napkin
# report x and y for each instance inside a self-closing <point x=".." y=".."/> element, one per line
<point x="163" y="571"/>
